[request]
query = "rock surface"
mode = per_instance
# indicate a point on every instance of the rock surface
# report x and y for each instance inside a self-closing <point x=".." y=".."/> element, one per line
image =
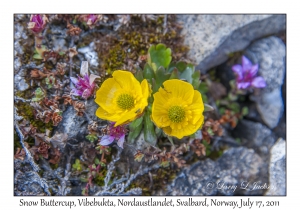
<point x="76" y="126"/>
<point x="234" y="173"/>
<point x="270" y="54"/>
<point x="26" y="182"/>
<point x="256" y="136"/>
<point x="277" y="169"/>
<point x="212" y="37"/>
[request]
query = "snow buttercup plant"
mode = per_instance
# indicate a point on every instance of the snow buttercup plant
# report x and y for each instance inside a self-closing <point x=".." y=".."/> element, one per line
<point x="172" y="107"/>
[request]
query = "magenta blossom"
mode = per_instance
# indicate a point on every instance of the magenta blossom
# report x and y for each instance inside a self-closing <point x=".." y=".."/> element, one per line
<point x="246" y="75"/>
<point x="90" y="19"/>
<point x="37" y="23"/>
<point x="114" y="133"/>
<point x="84" y="85"/>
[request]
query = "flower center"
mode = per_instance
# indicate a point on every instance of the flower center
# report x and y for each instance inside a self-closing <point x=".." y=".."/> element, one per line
<point x="125" y="101"/>
<point x="176" y="114"/>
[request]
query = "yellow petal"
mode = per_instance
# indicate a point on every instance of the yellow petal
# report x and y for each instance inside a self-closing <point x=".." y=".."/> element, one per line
<point x="127" y="81"/>
<point x="145" y="89"/>
<point x="101" y="113"/>
<point x="106" y="94"/>
<point x="197" y="107"/>
<point x="167" y="130"/>
<point x="180" y="89"/>
<point x="126" y="117"/>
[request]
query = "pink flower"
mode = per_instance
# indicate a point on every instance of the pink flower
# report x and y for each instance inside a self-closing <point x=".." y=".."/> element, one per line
<point x="84" y="84"/>
<point x="90" y="19"/>
<point x="37" y="23"/>
<point x="114" y="133"/>
<point x="246" y="75"/>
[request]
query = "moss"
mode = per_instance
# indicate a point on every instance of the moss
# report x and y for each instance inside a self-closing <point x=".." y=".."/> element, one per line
<point x="54" y="166"/>
<point x="26" y="111"/>
<point x="115" y="59"/>
<point x="160" y="178"/>
<point x="122" y="48"/>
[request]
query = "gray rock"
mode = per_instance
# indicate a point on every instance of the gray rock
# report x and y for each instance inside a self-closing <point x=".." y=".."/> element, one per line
<point x="234" y="173"/>
<point x="90" y="54"/>
<point x="277" y="169"/>
<point x="20" y="82"/>
<point x="270" y="54"/>
<point x="256" y="136"/>
<point x="76" y="126"/>
<point x="26" y="182"/>
<point x="212" y="37"/>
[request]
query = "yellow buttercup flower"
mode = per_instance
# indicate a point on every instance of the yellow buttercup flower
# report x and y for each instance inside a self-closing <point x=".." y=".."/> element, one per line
<point x="178" y="108"/>
<point x="122" y="98"/>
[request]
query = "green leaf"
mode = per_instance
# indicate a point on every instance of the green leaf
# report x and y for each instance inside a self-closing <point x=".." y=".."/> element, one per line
<point x="235" y="107"/>
<point x="181" y="66"/>
<point x="136" y="123"/>
<point x="61" y="53"/>
<point x="245" y="111"/>
<point x="187" y="73"/>
<point x="159" y="55"/>
<point x="203" y="88"/>
<point x="208" y="108"/>
<point x="210" y="132"/>
<point x="158" y="131"/>
<point x="39" y="95"/>
<point x="139" y="75"/>
<point x="77" y="166"/>
<point x="149" y="133"/>
<point x="148" y="72"/>
<point x="37" y="56"/>
<point x="97" y="161"/>
<point x="196" y="80"/>
<point x="161" y="76"/>
<point x="174" y="74"/>
<point x="92" y="137"/>
<point x="135" y="129"/>
<point x="170" y="140"/>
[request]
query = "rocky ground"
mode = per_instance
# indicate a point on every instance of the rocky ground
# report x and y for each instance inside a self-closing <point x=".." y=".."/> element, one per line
<point x="245" y="154"/>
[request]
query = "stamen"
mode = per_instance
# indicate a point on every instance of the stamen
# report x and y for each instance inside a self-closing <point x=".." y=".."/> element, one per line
<point x="125" y="101"/>
<point x="176" y="114"/>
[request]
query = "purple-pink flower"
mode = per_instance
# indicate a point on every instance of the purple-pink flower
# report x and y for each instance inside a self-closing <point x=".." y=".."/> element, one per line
<point x="246" y="75"/>
<point x="90" y="19"/>
<point x="37" y="23"/>
<point x="114" y="133"/>
<point x="84" y="84"/>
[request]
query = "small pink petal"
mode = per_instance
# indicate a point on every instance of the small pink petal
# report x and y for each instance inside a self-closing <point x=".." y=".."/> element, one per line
<point x="75" y="92"/>
<point x="238" y="70"/>
<point x="243" y="85"/>
<point x="121" y="141"/>
<point x="259" y="82"/>
<point x="106" y="140"/>
<point x="246" y="63"/>
<point x="253" y="70"/>
<point x="74" y="80"/>
<point x="86" y="93"/>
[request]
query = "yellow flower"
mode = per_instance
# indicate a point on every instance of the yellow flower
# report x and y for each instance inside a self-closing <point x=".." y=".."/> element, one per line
<point x="178" y="108"/>
<point x="122" y="98"/>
